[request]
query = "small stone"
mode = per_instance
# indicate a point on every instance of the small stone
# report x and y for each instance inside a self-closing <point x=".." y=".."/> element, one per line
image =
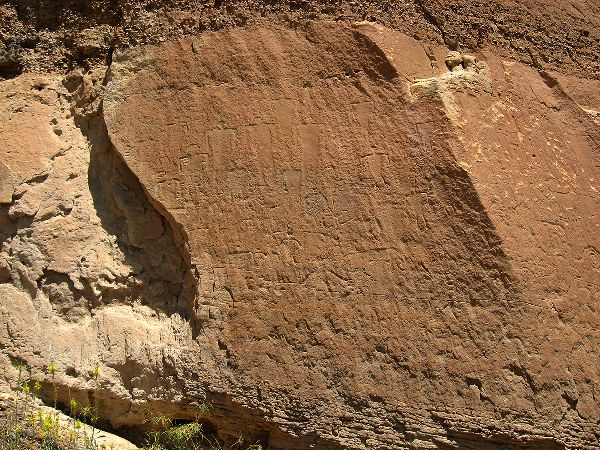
<point x="453" y="59"/>
<point x="469" y="61"/>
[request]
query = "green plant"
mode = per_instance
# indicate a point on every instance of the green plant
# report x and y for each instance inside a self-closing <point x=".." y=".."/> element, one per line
<point x="188" y="436"/>
<point x="12" y="433"/>
<point x="166" y="435"/>
<point x="52" y="368"/>
<point x="27" y="426"/>
<point x="21" y="367"/>
<point x="159" y="423"/>
<point x="203" y="410"/>
<point x="96" y="408"/>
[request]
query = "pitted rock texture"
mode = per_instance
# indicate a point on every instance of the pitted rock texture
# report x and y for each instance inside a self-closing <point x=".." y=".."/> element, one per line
<point x="89" y="271"/>
<point x="349" y="208"/>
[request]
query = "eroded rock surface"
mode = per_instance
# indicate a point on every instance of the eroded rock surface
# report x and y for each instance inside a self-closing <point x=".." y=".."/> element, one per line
<point x="350" y="242"/>
<point x="326" y="231"/>
<point x="50" y="35"/>
<point x="89" y="271"/>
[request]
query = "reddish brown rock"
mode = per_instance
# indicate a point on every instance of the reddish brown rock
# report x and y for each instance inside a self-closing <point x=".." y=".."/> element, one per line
<point x="382" y="261"/>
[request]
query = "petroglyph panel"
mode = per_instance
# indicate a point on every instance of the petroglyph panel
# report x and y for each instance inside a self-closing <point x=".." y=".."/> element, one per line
<point x="309" y="186"/>
<point x="344" y="257"/>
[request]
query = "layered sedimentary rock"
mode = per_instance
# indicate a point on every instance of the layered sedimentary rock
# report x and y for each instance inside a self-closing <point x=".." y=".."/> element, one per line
<point x="333" y="233"/>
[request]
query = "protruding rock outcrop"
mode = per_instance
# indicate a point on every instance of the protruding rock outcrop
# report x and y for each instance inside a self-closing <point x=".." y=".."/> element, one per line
<point x="344" y="243"/>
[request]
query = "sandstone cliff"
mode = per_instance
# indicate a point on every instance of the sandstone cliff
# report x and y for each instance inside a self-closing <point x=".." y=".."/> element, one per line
<point x="334" y="231"/>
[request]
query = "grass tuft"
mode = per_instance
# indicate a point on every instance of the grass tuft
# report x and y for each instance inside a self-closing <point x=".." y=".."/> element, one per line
<point x="27" y="426"/>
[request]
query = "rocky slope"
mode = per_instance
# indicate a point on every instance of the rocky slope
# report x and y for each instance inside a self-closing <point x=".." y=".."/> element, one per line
<point x="337" y="233"/>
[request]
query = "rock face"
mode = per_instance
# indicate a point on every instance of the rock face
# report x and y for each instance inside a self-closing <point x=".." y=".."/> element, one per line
<point x="83" y="253"/>
<point x="337" y="235"/>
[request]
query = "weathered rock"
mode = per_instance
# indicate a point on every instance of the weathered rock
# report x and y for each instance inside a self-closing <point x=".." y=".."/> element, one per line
<point x="87" y="265"/>
<point x="345" y="246"/>
<point x="454" y="61"/>
<point x="469" y="62"/>
<point x="10" y="63"/>
<point x="317" y="229"/>
<point x="65" y="425"/>
<point x="6" y="184"/>
<point x="56" y="35"/>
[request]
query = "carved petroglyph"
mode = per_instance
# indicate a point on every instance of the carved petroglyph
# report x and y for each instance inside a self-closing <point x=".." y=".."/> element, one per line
<point x="303" y="211"/>
<point x="307" y="240"/>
